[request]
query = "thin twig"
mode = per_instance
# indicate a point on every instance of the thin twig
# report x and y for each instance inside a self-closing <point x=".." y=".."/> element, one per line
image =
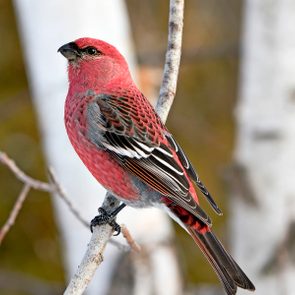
<point x="132" y="243"/>
<point x="52" y="187"/>
<point x="61" y="193"/>
<point x="172" y="62"/>
<point x="14" y="212"/>
<point x="20" y="175"/>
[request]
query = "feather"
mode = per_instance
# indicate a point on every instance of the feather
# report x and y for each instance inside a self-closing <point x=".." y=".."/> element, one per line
<point x="192" y="173"/>
<point x="139" y="147"/>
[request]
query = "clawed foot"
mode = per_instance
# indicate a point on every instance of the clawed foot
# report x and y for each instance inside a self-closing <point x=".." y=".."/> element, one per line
<point x="107" y="218"/>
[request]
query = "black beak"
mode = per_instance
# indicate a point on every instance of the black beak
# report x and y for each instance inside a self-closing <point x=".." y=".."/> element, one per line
<point x="70" y="51"/>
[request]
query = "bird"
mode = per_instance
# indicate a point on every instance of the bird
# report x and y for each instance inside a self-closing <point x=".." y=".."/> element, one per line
<point x="124" y="144"/>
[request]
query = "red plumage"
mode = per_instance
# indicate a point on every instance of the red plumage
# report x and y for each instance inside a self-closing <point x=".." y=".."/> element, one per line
<point x="122" y="141"/>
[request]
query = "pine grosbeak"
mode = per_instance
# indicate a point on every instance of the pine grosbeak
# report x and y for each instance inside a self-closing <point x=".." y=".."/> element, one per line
<point x="122" y="141"/>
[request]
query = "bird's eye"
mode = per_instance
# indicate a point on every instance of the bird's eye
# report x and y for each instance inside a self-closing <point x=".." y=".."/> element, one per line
<point x="91" y="51"/>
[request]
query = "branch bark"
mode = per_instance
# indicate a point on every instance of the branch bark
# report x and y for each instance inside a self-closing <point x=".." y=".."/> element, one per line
<point x="20" y="175"/>
<point x="172" y="62"/>
<point x="52" y="187"/>
<point x="14" y="212"/>
<point x="128" y="237"/>
<point x="94" y="253"/>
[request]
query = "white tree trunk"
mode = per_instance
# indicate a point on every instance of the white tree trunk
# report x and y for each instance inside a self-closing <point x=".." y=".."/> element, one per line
<point x="44" y="27"/>
<point x="263" y="207"/>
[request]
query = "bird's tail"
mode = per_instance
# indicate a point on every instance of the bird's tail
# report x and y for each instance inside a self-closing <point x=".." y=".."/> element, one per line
<point x="228" y="271"/>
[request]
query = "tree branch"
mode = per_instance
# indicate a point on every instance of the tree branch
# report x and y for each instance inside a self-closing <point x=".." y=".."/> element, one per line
<point x="53" y="187"/>
<point x="61" y="193"/>
<point x="94" y="253"/>
<point x="128" y="237"/>
<point x="93" y="256"/>
<point x="172" y="62"/>
<point x="24" y="178"/>
<point x="91" y="260"/>
<point x="14" y="212"/>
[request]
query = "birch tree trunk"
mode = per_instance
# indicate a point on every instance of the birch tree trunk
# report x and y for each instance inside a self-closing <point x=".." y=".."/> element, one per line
<point x="263" y="204"/>
<point x="44" y="27"/>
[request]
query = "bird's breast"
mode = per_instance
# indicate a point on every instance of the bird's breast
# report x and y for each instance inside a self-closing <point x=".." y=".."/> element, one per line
<point x="101" y="163"/>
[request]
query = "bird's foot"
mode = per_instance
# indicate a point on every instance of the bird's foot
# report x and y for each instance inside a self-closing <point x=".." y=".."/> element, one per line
<point x="107" y="218"/>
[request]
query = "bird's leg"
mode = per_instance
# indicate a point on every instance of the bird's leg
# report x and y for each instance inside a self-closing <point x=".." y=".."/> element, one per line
<point x="104" y="217"/>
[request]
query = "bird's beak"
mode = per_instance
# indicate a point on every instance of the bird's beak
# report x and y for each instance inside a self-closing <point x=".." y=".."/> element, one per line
<point x="70" y="51"/>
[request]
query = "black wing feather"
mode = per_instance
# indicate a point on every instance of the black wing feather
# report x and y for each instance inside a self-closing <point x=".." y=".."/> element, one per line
<point x="193" y="174"/>
<point x="166" y="186"/>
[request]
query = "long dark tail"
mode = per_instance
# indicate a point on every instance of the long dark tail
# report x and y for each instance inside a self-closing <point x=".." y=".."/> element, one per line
<point x="228" y="271"/>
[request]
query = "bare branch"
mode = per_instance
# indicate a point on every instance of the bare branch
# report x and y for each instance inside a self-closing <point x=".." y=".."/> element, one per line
<point x="61" y="193"/>
<point x="94" y="253"/>
<point x="20" y="175"/>
<point x="172" y="62"/>
<point x="91" y="260"/>
<point x="132" y="243"/>
<point x="14" y="212"/>
<point x="52" y="187"/>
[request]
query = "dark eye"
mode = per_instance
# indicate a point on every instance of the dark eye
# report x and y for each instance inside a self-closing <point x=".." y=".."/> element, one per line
<point x="91" y="51"/>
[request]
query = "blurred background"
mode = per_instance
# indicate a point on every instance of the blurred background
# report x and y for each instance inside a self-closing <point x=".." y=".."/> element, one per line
<point x="233" y="63"/>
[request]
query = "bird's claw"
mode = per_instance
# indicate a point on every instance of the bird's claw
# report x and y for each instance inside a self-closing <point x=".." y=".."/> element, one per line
<point x="105" y="218"/>
<point x="116" y="227"/>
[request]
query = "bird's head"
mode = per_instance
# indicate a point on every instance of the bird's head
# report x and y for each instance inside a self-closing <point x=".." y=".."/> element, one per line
<point x="94" y="63"/>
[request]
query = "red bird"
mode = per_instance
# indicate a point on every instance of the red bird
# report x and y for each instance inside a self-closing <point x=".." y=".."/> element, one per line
<point x="122" y="141"/>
